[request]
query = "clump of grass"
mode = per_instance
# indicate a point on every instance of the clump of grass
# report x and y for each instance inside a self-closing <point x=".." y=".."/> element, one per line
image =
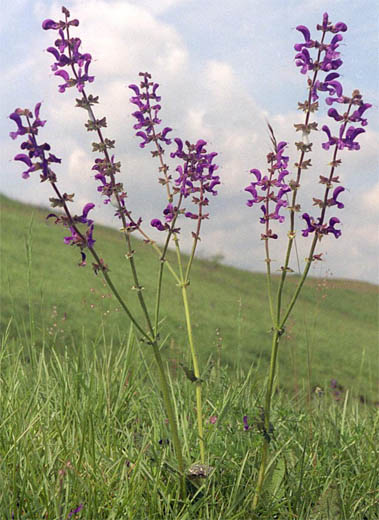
<point x="85" y="428"/>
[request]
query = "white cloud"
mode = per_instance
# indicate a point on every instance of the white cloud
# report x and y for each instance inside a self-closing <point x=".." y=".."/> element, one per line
<point x="158" y="7"/>
<point x="371" y="200"/>
<point x="79" y="166"/>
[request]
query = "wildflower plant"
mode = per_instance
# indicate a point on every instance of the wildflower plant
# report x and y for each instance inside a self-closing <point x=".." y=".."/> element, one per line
<point x="188" y="192"/>
<point x="276" y="195"/>
<point x="189" y="187"/>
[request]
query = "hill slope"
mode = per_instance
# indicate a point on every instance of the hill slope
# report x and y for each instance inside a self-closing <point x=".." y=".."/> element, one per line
<point x="332" y="334"/>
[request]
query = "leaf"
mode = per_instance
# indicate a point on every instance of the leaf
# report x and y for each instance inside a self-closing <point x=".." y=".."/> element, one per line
<point x="328" y="505"/>
<point x="190" y="374"/>
<point x="275" y="478"/>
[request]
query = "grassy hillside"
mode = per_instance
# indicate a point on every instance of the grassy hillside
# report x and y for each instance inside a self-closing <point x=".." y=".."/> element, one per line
<point x="48" y="300"/>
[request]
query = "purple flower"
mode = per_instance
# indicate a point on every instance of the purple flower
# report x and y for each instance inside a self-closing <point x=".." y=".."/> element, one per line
<point x="83" y="217"/>
<point x="50" y="24"/>
<point x="170" y="212"/>
<point x="78" y="239"/>
<point x="333" y="201"/>
<point x="349" y="140"/>
<point x="158" y="225"/>
<point x="74" y="511"/>
<point x="303" y="59"/>
<point x="21" y="130"/>
<point x="331" y="229"/>
<point x="196" y="174"/>
<point x="343" y="142"/>
<point x="245" y="423"/>
<point x="321" y="229"/>
<point x="326" y="59"/>
<point x="356" y="117"/>
<point x="196" y="178"/>
<point x="332" y="112"/>
<point x="147" y="101"/>
<point x="31" y="128"/>
<point x="271" y="188"/>
<point x="42" y="160"/>
<point x="307" y="37"/>
<point x="67" y="54"/>
<point x="74" y="238"/>
<point x="25" y="158"/>
<point x="331" y="140"/>
<point x="39" y="158"/>
<point x="329" y="85"/>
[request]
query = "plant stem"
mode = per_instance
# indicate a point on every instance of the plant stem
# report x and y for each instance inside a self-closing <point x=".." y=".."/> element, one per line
<point x="153" y="330"/>
<point x="261" y="475"/>
<point x="171" y="416"/>
<point x="301" y="282"/>
<point x="267" y="410"/>
<point x="199" y="406"/>
<point x="278" y="323"/>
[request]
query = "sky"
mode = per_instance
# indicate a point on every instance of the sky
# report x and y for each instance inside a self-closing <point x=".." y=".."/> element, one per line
<point x="224" y="69"/>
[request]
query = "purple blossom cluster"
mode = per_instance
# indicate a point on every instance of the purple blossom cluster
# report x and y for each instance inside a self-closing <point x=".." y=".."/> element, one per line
<point x="346" y="134"/>
<point x="147" y="101"/>
<point x="106" y="169"/>
<point x="196" y="175"/>
<point x="39" y="158"/>
<point x="77" y="238"/>
<point x="271" y="188"/>
<point x="320" y="227"/>
<point x="67" y="54"/>
<point x="327" y="60"/>
<point x="40" y="153"/>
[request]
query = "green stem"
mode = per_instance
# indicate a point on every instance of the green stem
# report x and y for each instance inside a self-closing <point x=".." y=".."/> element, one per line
<point x="158" y="296"/>
<point x="261" y="475"/>
<point x="199" y="406"/>
<point x="117" y="295"/>
<point x="170" y="413"/>
<point x="301" y="282"/>
<point x="267" y="248"/>
<point x="269" y="290"/>
<point x="291" y="238"/>
<point x="267" y="410"/>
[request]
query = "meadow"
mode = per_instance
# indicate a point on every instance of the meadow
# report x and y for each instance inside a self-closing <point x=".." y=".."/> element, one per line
<point x="83" y="431"/>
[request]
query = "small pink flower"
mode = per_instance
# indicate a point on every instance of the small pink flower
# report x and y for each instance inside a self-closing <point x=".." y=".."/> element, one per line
<point x="213" y="419"/>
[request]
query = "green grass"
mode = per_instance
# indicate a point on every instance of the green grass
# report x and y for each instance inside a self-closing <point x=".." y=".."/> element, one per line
<point x="82" y="420"/>
<point x="86" y="426"/>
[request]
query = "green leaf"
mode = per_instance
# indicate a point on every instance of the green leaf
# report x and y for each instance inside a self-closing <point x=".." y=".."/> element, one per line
<point x="275" y="478"/>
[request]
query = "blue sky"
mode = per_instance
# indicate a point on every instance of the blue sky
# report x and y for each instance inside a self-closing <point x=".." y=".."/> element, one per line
<point x="224" y="68"/>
